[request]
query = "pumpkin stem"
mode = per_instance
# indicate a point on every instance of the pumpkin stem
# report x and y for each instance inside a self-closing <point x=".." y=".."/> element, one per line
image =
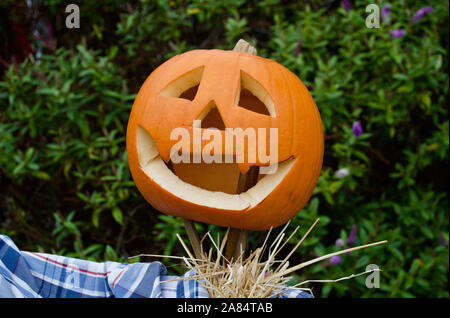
<point x="244" y="46"/>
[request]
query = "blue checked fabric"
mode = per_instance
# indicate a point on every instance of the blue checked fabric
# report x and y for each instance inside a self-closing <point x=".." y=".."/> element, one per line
<point x="40" y="275"/>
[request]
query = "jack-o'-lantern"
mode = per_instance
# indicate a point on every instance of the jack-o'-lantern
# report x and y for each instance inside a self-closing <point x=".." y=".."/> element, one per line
<point x="225" y="90"/>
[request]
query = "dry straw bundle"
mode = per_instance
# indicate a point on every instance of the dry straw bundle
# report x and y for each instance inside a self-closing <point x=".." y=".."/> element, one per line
<point x="251" y="277"/>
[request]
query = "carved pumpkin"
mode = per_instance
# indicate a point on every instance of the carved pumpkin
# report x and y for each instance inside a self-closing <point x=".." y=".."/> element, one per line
<point x="225" y="89"/>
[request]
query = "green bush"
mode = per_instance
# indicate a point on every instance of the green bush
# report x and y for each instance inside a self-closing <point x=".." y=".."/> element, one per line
<point x="64" y="180"/>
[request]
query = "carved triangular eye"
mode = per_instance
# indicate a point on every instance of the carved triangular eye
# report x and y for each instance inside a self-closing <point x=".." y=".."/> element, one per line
<point x="254" y="97"/>
<point x="190" y="93"/>
<point x="185" y="86"/>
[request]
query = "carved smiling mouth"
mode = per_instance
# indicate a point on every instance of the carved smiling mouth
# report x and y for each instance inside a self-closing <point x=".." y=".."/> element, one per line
<point x="213" y="185"/>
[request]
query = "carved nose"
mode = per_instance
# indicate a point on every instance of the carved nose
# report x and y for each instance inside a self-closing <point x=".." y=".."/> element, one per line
<point x="210" y="117"/>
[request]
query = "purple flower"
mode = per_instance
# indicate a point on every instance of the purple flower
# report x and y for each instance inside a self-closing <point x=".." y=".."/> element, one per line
<point x="357" y="129"/>
<point x="298" y="48"/>
<point x="421" y="13"/>
<point x="397" y="33"/>
<point x="335" y="260"/>
<point x="346" y="5"/>
<point x="443" y="240"/>
<point x="352" y="236"/>
<point x="342" y="173"/>
<point x="49" y="39"/>
<point x="340" y="242"/>
<point x="386" y="12"/>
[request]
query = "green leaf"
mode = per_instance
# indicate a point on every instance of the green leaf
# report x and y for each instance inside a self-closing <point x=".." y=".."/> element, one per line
<point x="117" y="215"/>
<point x="396" y="253"/>
<point x="96" y="217"/>
<point x="42" y="175"/>
<point x="110" y="254"/>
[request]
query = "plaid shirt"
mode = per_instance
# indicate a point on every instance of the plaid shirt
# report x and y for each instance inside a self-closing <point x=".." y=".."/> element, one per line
<point x="36" y="275"/>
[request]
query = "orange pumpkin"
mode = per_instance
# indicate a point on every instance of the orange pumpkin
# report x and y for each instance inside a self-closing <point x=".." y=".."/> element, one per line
<point x="225" y="89"/>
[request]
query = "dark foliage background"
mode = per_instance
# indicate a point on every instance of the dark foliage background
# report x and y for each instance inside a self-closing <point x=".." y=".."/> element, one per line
<point x="65" y="97"/>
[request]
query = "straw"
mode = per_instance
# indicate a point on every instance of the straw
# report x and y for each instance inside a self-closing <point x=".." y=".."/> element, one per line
<point x="252" y="277"/>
